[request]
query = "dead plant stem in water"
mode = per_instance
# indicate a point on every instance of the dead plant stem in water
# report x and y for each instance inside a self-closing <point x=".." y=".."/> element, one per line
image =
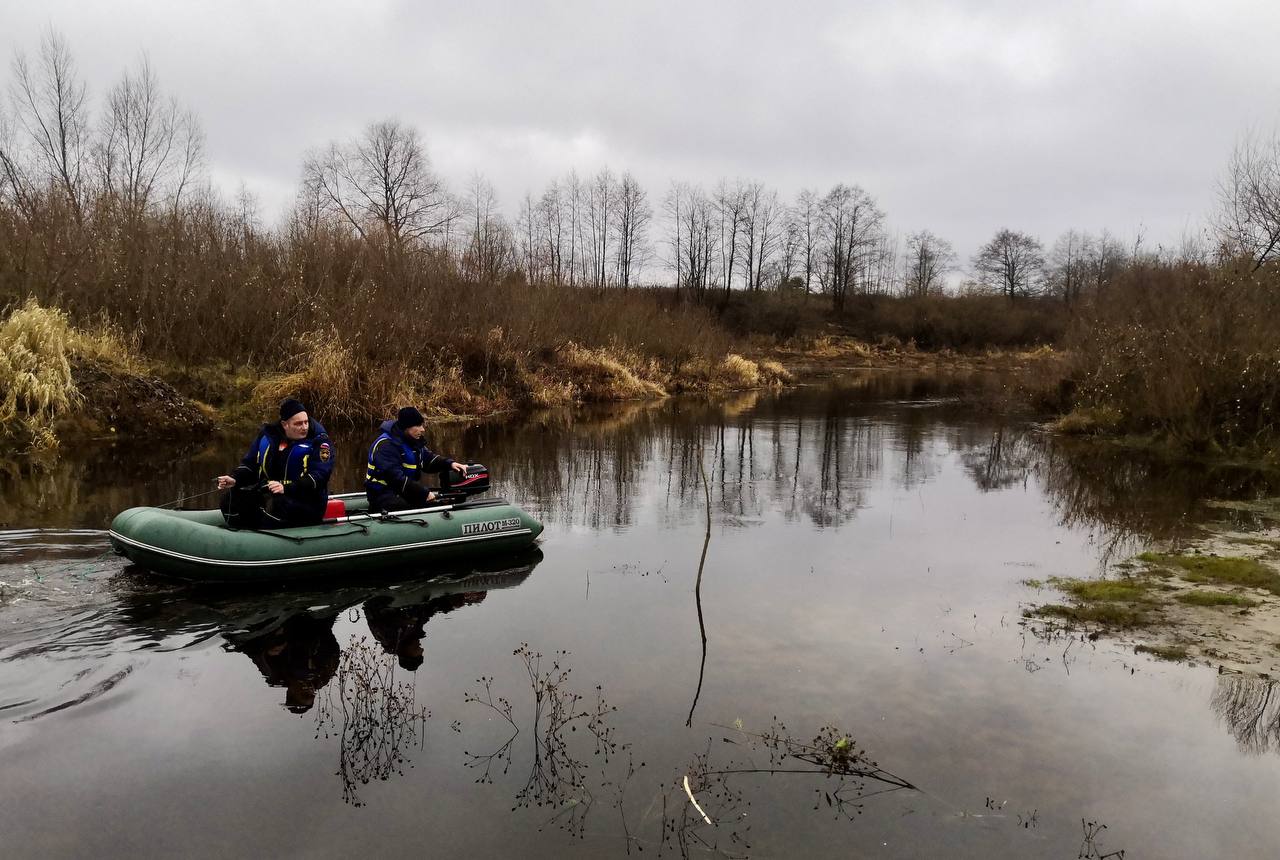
<point x="697" y="588"/>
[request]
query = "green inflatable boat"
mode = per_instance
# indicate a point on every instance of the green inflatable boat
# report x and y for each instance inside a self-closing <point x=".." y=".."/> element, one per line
<point x="197" y="545"/>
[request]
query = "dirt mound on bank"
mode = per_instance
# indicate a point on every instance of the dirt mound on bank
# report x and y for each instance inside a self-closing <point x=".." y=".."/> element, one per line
<point x="119" y="401"/>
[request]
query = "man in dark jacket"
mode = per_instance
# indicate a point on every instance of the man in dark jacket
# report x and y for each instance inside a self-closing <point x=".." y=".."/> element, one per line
<point x="284" y="478"/>
<point x="397" y="460"/>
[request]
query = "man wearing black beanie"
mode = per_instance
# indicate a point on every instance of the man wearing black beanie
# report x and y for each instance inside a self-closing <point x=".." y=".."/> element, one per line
<point x="284" y="478"/>
<point x="397" y="460"/>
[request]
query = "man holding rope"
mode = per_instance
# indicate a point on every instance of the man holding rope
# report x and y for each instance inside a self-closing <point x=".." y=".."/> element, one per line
<point x="283" y="480"/>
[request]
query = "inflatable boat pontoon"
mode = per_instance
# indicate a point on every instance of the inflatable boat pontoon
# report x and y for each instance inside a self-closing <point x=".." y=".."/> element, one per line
<point x="198" y="545"/>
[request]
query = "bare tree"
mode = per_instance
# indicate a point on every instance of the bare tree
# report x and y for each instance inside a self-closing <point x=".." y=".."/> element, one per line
<point x="808" y="218"/>
<point x="49" y="105"/>
<point x="928" y="261"/>
<point x="577" y="259"/>
<point x="880" y="267"/>
<point x="730" y="203"/>
<point x="148" y="144"/>
<point x="694" y="231"/>
<point x="790" y="246"/>
<point x="13" y="184"/>
<point x="527" y="226"/>
<point x="1070" y="265"/>
<point x="1011" y="262"/>
<point x="677" y="196"/>
<point x="551" y="231"/>
<point x="382" y="182"/>
<point x="633" y="218"/>
<point x="851" y="233"/>
<point x="1248" y="219"/>
<point x="489" y="250"/>
<point x="601" y="197"/>
<point x="1104" y="259"/>
<point x="760" y="232"/>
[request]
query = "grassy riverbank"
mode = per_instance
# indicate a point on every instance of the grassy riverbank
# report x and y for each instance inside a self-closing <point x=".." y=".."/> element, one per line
<point x="54" y="375"/>
<point x="1214" y="599"/>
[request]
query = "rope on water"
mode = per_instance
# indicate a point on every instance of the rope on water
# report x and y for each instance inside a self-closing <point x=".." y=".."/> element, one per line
<point x="189" y="498"/>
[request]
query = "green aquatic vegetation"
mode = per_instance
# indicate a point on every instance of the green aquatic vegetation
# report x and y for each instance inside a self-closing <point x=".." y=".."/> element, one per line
<point x="1174" y="653"/>
<point x="1105" y="614"/>
<point x="1211" y="568"/>
<point x="1104" y="590"/>
<point x="1198" y="597"/>
<point x="1032" y="583"/>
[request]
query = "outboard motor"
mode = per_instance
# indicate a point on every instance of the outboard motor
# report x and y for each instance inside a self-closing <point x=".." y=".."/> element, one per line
<point x="474" y="482"/>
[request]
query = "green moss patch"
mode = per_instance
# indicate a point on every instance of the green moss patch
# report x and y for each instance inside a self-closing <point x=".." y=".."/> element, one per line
<point x="1104" y="590"/>
<point x="1198" y="597"/>
<point x="1227" y="569"/>
<point x="1175" y="653"/>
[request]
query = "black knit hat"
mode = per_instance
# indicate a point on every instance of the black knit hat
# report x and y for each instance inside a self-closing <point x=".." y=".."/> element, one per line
<point x="290" y="408"/>
<point x="409" y="417"/>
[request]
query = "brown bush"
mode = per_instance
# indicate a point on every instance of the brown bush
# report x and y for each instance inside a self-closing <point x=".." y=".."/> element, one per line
<point x="351" y="325"/>
<point x="1185" y="351"/>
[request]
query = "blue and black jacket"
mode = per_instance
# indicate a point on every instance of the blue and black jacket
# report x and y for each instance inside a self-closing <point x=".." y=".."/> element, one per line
<point x="302" y="466"/>
<point x="397" y="463"/>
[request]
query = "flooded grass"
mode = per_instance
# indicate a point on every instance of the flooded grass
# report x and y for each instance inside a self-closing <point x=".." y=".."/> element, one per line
<point x="1105" y="590"/>
<point x="1198" y="597"/>
<point x="1172" y="653"/>
<point x="1225" y="569"/>
<point x="1105" y="614"/>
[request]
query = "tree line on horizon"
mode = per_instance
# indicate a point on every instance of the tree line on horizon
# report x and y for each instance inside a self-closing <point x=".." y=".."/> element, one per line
<point x="143" y="155"/>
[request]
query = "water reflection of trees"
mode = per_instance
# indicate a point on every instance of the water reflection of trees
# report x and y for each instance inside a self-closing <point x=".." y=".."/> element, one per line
<point x="1136" y="495"/>
<point x="1250" y="707"/>
<point x="810" y="454"/>
<point x="1005" y="459"/>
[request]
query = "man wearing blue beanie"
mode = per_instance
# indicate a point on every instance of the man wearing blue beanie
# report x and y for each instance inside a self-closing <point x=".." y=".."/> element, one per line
<point x="397" y="460"/>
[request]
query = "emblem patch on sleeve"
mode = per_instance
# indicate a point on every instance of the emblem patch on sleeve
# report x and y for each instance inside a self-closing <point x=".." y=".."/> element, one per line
<point x="325" y="452"/>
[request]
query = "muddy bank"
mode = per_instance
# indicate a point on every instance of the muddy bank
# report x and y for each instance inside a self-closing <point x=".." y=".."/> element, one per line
<point x="120" y="402"/>
<point x="1213" y="599"/>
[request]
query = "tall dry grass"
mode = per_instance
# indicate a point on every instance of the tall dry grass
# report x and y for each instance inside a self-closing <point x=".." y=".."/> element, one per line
<point x="39" y="349"/>
<point x="36" y="386"/>
<point x="232" y="312"/>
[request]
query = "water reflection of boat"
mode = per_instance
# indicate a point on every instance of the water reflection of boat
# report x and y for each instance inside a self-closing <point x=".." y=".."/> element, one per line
<point x="290" y="637"/>
<point x="246" y="615"/>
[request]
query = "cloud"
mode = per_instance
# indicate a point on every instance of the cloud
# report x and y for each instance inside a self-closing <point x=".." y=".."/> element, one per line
<point x="962" y="117"/>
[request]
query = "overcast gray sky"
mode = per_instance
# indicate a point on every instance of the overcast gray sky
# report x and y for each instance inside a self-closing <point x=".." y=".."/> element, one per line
<point x="959" y="117"/>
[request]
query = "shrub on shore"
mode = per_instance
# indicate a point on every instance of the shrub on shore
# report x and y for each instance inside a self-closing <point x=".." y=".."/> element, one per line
<point x="934" y="322"/>
<point x="52" y="372"/>
<point x="1186" y="352"/>
<point x="36" y="385"/>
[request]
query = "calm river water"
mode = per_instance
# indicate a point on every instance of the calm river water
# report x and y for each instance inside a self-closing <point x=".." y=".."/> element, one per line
<point x="807" y="603"/>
